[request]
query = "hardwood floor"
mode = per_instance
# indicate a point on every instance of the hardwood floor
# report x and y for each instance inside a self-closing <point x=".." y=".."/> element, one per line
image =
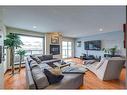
<point x="90" y="80"/>
<point x="16" y="81"/>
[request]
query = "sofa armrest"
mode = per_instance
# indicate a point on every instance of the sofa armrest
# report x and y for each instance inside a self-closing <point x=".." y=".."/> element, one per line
<point x="29" y="80"/>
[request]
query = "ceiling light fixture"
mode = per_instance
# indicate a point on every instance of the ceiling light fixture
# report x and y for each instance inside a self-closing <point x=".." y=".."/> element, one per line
<point x="100" y="29"/>
<point x="34" y="27"/>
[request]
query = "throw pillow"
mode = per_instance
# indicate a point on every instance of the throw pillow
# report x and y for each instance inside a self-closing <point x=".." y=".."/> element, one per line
<point x="100" y="63"/>
<point x="41" y="58"/>
<point x="36" y="59"/>
<point x="52" y="78"/>
<point x="48" y="57"/>
<point x="55" y="71"/>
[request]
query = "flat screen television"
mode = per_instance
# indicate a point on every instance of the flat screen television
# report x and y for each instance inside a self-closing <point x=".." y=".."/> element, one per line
<point x="92" y="45"/>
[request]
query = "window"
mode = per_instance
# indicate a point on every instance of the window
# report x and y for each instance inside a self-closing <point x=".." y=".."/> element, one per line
<point x="66" y="49"/>
<point x="32" y="45"/>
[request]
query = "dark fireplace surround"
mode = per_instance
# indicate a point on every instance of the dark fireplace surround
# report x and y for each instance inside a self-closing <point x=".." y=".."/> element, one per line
<point x="54" y="49"/>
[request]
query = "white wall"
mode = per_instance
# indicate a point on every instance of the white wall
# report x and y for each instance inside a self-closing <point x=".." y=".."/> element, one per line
<point x="109" y="40"/>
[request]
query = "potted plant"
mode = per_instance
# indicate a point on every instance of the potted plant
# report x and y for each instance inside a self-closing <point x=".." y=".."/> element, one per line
<point x="21" y="53"/>
<point x="11" y="42"/>
<point x="111" y="51"/>
<point x="106" y="50"/>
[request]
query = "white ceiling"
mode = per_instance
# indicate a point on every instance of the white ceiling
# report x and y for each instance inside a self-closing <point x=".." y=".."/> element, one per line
<point x="71" y="21"/>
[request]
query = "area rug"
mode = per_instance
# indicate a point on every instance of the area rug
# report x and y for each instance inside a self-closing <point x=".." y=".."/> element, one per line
<point x="74" y="68"/>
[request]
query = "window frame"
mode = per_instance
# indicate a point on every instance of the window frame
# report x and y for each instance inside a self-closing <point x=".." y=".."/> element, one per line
<point x="67" y="49"/>
<point x="43" y="42"/>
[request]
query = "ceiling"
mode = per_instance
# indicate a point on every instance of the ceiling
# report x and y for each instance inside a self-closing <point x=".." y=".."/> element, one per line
<point x="73" y="21"/>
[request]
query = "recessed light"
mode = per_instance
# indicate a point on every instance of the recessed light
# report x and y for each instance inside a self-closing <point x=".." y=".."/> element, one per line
<point x="34" y="27"/>
<point x="100" y="29"/>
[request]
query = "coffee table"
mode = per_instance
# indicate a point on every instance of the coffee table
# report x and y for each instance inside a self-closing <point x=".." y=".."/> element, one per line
<point x="74" y="68"/>
<point x="60" y="65"/>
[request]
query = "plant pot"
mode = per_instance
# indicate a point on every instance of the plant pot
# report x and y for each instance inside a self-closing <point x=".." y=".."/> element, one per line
<point x="112" y="54"/>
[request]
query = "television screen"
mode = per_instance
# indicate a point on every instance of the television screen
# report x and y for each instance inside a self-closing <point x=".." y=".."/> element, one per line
<point x="93" y="45"/>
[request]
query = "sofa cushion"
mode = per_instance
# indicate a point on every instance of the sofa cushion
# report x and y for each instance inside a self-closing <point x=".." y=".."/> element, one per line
<point x="41" y="58"/>
<point x="44" y="66"/>
<point x="34" y="57"/>
<point x="45" y="57"/>
<point x="48" y="57"/>
<point x="89" y="62"/>
<point x="32" y="64"/>
<point x="29" y="59"/>
<point x="51" y="61"/>
<point x="70" y="81"/>
<point x="52" y="78"/>
<point x="92" y="67"/>
<point x="39" y="77"/>
<point x="100" y="63"/>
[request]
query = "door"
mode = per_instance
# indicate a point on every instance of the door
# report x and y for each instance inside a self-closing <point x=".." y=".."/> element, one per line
<point x="66" y="49"/>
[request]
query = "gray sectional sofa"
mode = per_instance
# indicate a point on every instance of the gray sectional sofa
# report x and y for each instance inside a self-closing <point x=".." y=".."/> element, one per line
<point x="107" y="68"/>
<point x="36" y="79"/>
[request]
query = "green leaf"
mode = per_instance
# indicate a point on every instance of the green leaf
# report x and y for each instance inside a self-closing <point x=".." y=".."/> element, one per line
<point x="21" y="52"/>
<point x="12" y="41"/>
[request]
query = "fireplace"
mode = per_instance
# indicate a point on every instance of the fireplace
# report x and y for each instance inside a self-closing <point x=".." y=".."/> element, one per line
<point x="54" y="49"/>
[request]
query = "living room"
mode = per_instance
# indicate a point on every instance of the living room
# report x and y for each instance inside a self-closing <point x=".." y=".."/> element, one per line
<point x="76" y="39"/>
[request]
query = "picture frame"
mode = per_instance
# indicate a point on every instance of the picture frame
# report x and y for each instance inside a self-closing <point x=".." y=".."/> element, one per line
<point x="55" y="39"/>
<point x="78" y="43"/>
